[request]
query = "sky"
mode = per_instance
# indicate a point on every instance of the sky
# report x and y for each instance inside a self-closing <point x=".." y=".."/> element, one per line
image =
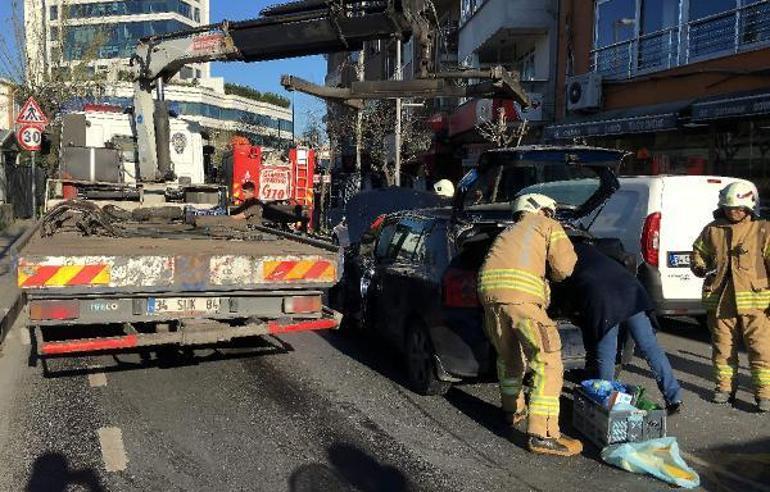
<point x="263" y="76"/>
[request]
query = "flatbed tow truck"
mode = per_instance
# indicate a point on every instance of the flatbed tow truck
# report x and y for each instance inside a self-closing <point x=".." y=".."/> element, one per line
<point x="124" y="266"/>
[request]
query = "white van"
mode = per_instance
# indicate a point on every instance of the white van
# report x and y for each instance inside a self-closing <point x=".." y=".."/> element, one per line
<point x="659" y="218"/>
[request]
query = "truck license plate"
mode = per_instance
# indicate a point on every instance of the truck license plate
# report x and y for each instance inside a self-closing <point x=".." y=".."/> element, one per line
<point x="183" y="305"/>
<point x="679" y="259"/>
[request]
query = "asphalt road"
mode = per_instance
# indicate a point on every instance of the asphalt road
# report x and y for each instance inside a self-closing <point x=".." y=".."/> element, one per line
<point x="320" y="412"/>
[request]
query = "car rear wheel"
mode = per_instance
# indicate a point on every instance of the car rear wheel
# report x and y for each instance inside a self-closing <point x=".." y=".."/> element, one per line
<point x="420" y="363"/>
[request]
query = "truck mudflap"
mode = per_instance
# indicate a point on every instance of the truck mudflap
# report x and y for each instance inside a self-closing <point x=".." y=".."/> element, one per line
<point x="190" y="333"/>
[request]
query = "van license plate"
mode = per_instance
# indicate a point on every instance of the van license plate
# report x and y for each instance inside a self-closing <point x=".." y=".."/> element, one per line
<point x="679" y="259"/>
<point x="183" y="305"/>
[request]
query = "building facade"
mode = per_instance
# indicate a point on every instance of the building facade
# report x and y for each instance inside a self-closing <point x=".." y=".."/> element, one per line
<point x="105" y="33"/>
<point x="681" y="84"/>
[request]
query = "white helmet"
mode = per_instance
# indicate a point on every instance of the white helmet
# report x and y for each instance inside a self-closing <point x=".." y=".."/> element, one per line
<point x="444" y="188"/>
<point x="534" y="203"/>
<point x="739" y="194"/>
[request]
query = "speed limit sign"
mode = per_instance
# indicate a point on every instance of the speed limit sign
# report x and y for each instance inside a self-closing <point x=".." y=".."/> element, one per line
<point x="30" y="137"/>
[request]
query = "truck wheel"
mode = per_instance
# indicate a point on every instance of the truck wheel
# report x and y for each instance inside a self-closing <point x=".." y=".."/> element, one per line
<point x="420" y="365"/>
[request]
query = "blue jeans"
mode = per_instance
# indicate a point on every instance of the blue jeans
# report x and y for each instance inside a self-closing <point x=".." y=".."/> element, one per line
<point x="640" y="329"/>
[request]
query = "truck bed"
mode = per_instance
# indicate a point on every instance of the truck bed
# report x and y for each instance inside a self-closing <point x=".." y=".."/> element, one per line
<point x="68" y="261"/>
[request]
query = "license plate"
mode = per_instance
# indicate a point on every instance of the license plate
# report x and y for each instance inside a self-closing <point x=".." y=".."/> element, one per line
<point x="679" y="259"/>
<point x="183" y="305"/>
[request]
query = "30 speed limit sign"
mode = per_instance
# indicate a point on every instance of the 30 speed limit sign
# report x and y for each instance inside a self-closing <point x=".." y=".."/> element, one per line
<point x="30" y="137"/>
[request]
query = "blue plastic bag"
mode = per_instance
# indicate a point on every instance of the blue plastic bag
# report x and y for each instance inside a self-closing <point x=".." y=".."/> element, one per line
<point x="657" y="457"/>
<point x="599" y="390"/>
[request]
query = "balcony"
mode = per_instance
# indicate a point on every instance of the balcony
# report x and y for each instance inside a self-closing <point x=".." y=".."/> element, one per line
<point x="734" y="31"/>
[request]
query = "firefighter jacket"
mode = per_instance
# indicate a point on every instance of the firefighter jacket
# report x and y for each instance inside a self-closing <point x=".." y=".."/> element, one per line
<point x="733" y="258"/>
<point x="515" y="268"/>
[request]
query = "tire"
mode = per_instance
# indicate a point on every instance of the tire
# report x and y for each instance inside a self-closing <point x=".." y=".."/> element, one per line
<point x="420" y="365"/>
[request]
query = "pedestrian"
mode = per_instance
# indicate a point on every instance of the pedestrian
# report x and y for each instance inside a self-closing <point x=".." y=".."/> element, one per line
<point x="604" y="294"/>
<point x="251" y="206"/>
<point x="515" y="294"/>
<point x="732" y="255"/>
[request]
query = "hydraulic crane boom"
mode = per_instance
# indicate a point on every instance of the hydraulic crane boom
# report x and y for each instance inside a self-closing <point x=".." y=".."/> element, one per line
<point x="294" y="29"/>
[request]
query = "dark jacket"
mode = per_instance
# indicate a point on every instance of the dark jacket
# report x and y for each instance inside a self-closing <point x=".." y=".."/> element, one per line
<point x="603" y="292"/>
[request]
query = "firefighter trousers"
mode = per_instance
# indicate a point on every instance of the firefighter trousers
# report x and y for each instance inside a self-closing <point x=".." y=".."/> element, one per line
<point x="524" y="334"/>
<point x="754" y="328"/>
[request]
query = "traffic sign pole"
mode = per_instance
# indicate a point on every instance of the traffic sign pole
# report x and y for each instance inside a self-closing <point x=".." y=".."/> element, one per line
<point x="34" y="187"/>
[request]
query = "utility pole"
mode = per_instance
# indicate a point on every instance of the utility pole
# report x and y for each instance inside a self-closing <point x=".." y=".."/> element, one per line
<point x="361" y="75"/>
<point x="397" y="138"/>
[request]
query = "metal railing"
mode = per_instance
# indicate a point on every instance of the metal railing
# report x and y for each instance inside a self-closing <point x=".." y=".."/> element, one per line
<point x="722" y="34"/>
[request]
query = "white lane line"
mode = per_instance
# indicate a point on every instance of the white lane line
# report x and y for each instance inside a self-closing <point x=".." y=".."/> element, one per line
<point x="113" y="451"/>
<point x="24" y="336"/>
<point x="97" y="379"/>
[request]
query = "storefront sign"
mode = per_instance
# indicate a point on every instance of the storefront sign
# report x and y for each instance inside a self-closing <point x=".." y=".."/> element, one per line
<point x="732" y="107"/>
<point x="622" y="126"/>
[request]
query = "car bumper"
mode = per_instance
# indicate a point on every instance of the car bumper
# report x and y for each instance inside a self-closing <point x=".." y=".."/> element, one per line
<point x="650" y="278"/>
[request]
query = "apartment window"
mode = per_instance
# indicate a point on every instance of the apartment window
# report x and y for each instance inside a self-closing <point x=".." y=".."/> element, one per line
<point x="198" y="73"/>
<point x="186" y="73"/>
<point x="527" y="66"/>
<point x="113" y="41"/>
<point x="130" y="7"/>
<point x="635" y="37"/>
<point x="197" y="16"/>
<point x="615" y="21"/>
<point x="53" y="12"/>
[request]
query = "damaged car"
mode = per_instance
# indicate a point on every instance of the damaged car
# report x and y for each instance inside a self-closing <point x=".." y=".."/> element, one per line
<point x="411" y="279"/>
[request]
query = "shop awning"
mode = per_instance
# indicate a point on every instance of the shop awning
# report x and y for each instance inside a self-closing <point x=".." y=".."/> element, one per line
<point x="647" y="119"/>
<point x="737" y="106"/>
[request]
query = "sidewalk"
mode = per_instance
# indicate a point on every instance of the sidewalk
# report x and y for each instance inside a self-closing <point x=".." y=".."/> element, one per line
<point x="10" y="296"/>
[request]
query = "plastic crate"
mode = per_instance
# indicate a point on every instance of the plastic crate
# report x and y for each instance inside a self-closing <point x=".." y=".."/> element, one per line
<point x="603" y="427"/>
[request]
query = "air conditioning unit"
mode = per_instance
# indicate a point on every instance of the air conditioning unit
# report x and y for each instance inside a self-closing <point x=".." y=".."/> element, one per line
<point x="584" y="92"/>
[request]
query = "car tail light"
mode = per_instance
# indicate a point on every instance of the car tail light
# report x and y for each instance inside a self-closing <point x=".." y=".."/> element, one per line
<point x="302" y="304"/>
<point x="651" y="239"/>
<point x="459" y="288"/>
<point x="377" y="222"/>
<point x="43" y="310"/>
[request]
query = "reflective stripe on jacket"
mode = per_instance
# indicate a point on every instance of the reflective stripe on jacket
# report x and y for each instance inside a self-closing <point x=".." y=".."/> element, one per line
<point x="515" y="268"/>
<point x="734" y="259"/>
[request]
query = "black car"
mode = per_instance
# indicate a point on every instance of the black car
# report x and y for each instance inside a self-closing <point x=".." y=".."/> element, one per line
<point x="411" y="279"/>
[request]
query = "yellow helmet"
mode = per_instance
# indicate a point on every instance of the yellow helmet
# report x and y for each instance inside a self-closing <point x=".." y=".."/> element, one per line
<point x="534" y="203"/>
<point x="739" y="194"/>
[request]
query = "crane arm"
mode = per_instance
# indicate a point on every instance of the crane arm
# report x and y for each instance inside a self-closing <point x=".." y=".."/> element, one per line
<point x="293" y="29"/>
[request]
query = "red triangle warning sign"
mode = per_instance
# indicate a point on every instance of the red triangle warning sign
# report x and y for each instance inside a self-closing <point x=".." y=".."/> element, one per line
<point x="31" y="114"/>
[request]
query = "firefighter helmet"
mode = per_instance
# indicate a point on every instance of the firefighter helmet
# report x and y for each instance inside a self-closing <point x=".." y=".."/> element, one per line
<point x="534" y="203"/>
<point x="444" y="188"/>
<point x="739" y="194"/>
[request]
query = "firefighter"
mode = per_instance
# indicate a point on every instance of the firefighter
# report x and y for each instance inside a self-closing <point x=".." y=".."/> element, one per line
<point x="515" y="295"/>
<point x="732" y="254"/>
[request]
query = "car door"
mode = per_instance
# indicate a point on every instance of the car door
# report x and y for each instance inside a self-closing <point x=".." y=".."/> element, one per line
<point x="400" y="273"/>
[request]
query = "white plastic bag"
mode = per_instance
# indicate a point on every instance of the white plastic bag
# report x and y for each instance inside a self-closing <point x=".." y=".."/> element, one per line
<point x="657" y="457"/>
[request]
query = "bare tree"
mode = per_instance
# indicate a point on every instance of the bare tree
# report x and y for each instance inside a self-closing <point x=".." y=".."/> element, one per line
<point x="499" y="132"/>
<point x="56" y="77"/>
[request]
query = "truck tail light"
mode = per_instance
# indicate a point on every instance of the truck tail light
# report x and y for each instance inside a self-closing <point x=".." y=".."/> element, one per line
<point x="651" y="239"/>
<point x="302" y="304"/>
<point x="459" y="288"/>
<point x="61" y="310"/>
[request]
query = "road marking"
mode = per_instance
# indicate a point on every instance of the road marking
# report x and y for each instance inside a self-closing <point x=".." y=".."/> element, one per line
<point x="24" y="336"/>
<point x="720" y="470"/>
<point x="113" y="451"/>
<point x="97" y="379"/>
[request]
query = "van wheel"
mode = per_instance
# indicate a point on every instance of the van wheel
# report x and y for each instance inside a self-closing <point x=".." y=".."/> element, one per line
<point x="421" y="368"/>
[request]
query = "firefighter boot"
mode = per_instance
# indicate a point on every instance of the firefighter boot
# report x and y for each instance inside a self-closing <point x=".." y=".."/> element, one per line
<point x="723" y="397"/>
<point x="562" y="446"/>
